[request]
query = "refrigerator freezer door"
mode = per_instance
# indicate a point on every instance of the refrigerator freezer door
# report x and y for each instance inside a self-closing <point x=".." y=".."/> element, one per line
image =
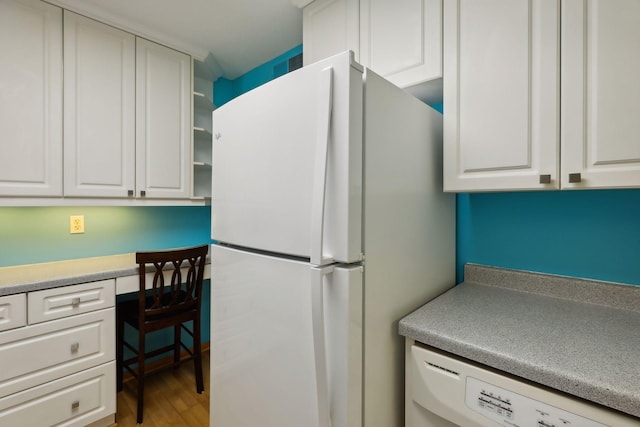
<point x="274" y="185"/>
<point x="267" y="367"/>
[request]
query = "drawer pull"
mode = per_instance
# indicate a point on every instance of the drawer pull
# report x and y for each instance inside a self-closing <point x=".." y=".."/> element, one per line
<point x="75" y="405"/>
<point x="75" y="347"/>
<point x="75" y="302"/>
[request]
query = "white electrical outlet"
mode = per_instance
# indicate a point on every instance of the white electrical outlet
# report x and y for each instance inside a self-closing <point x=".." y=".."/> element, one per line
<point x="76" y="224"/>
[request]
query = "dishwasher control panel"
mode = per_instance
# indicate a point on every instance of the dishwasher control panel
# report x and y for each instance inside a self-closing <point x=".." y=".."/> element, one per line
<point x="514" y="410"/>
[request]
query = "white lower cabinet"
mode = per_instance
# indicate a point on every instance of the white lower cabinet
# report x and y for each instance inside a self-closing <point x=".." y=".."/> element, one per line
<point x="59" y="369"/>
<point x="57" y="303"/>
<point x="13" y="311"/>
<point x="75" y="400"/>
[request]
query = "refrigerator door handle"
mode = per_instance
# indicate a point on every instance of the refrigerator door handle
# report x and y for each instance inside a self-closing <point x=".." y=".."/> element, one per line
<point x="325" y="104"/>
<point x="319" y="343"/>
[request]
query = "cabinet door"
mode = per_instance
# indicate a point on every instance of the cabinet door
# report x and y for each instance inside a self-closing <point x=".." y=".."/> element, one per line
<point x="13" y="311"/>
<point x="330" y="27"/>
<point x="600" y="93"/>
<point x="40" y="353"/>
<point x="99" y="109"/>
<point x="402" y="41"/>
<point x="163" y="121"/>
<point x="30" y="98"/>
<point x="501" y="94"/>
<point x="73" y="401"/>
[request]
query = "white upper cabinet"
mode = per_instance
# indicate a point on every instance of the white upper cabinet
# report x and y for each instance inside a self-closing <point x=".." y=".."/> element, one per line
<point x="99" y="109"/>
<point x="529" y="106"/>
<point x="330" y="27"/>
<point x="92" y="114"/>
<point x="401" y="41"/>
<point x="600" y="93"/>
<point x="501" y="75"/>
<point x="30" y="98"/>
<point x="163" y="121"/>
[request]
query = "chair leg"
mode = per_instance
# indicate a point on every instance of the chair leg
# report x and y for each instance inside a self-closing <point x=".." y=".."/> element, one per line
<point x="176" y="345"/>
<point x="119" y="351"/>
<point x="140" y="371"/>
<point x="197" y="355"/>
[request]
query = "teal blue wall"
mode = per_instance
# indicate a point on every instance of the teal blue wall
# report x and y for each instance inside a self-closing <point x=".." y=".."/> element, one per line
<point x="591" y="233"/>
<point x="41" y="234"/>
<point x="225" y="90"/>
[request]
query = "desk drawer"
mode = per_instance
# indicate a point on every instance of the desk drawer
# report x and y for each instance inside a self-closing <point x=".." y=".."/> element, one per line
<point x="39" y="353"/>
<point x="75" y="400"/>
<point x="13" y="311"/>
<point x="56" y="303"/>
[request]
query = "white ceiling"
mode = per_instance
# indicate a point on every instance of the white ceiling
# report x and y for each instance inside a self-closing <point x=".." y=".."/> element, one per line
<point x="241" y="34"/>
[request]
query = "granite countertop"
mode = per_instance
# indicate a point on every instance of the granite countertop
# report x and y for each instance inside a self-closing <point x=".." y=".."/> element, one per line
<point x="578" y="336"/>
<point x="33" y="277"/>
<point x="45" y="275"/>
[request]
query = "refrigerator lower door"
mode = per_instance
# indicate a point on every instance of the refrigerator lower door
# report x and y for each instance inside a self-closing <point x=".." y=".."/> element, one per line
<point x="283" y="352"/>
<point x="343" y="321"/>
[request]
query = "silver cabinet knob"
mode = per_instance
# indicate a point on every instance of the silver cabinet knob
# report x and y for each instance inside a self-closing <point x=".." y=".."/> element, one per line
<point x="75" y="301"/>
<point x="575" y="177"/>
<point x="75" y="347"/>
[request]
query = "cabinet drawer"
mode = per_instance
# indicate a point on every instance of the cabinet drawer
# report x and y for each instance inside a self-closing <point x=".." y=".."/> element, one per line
<point x="75" y="400"/>
<point x="56" y="303"/>
<point x="13" y="311"/>
<point x="47" y="351"/>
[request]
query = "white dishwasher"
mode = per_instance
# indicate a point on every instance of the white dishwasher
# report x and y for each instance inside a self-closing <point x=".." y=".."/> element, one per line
<point x="444" y="391"/>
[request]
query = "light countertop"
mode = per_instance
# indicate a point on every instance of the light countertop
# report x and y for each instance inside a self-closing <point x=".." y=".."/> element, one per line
<point x="578" y="336"/>
<point x="33" y="277"/>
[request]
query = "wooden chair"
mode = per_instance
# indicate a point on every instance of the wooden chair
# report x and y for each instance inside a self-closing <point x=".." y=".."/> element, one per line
<point x="174" y="298"/>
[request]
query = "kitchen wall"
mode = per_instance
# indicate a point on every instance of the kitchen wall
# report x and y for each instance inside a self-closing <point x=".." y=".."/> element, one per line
<point x="591" y="233"/>
<point x="41" y="234"/>
<point x="225" y="90"/>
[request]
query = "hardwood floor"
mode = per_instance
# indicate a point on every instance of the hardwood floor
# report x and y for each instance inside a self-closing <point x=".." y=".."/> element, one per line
<point x="170" y="399"/>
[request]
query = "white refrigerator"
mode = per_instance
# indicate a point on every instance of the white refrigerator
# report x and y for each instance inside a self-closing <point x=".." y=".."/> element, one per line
<point x="331" y="225"/>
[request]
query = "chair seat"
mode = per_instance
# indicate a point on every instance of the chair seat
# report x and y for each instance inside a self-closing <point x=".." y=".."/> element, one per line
<point x="129" y="310"/>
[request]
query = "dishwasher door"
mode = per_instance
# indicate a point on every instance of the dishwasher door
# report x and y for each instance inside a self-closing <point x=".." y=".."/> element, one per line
<point x="444" y="391"/>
